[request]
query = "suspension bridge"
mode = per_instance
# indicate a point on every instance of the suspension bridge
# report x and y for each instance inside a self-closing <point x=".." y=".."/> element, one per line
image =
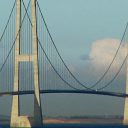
<point x="32" y="64"/>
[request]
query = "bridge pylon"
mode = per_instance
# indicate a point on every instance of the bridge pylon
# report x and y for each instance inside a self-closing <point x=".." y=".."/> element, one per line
<point x="126" y="103"/>
<point x="16" y="119"/>
<point x="125" y="121"/>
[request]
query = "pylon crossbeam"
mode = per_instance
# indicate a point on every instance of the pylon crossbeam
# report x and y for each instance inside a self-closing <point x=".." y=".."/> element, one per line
<point x="16" y="119"/>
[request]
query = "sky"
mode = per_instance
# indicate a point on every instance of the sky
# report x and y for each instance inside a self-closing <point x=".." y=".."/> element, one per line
<point x="87" y="34"/>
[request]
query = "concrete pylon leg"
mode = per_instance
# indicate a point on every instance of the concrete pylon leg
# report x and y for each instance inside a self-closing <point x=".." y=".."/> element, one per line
<point x="15" y="107"/>
<point x="16" y="119"/>
<point x="14" y="112"/>
<point x="37" y="114"/>
<point x="126" y="112"/>
<point x="126" y="103"/>
<point x="37" y="101"/>
<point x="125" y="121"/>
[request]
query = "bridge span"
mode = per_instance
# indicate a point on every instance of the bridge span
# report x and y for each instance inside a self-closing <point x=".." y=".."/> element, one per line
<point x="94" y="92"/>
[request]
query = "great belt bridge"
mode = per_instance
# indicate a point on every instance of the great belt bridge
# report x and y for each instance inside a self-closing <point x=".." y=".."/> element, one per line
<point x="28" y="44"/>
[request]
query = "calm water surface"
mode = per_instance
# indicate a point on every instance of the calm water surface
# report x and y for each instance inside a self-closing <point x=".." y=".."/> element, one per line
<point x="77" y="126"/>
<point x="83" y="126"/>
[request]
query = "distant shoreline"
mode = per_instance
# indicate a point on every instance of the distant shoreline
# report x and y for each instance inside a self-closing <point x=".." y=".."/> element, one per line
<point x="75" y="121"/>
<point x="84" y="121"/>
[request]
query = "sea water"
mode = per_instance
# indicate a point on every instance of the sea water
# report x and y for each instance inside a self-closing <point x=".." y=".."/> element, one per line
<point x="83" y="126"/>
<point x="77" y="126"/>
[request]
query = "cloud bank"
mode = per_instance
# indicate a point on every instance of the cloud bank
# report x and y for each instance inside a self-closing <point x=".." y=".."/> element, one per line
<point x="103" y="51"/>
<point x="100" y="57"/>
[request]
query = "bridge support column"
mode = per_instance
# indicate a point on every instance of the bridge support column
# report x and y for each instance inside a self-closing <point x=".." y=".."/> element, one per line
<point x="37" y="100"/>
<point x="16" y="119"/>
<point x="15" y="104"/>
<point x="125" y="121"/>
<point x="126" y="104"/>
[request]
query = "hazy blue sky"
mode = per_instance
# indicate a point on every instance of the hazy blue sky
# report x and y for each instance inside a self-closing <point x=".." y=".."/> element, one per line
<point x="78" y="27"/>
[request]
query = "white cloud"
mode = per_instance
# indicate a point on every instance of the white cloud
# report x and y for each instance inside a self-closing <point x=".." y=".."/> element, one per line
<point x="101" y="55"/>
<point x="103" y="52"/>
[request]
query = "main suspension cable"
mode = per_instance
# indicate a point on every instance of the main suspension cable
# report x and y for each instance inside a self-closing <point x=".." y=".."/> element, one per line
<point x="98" y="81"/>
<point x="14" y="40"/>
<point x="108" y="84"/>
<point x="54" y="67"/>
<point x="8" y="21"/>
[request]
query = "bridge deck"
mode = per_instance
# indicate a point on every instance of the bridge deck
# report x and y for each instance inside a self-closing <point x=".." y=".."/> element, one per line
<point x="115" y="94"/>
